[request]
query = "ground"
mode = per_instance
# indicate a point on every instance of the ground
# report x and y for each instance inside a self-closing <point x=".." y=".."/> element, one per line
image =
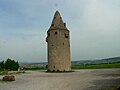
<point x="88" y="79"/>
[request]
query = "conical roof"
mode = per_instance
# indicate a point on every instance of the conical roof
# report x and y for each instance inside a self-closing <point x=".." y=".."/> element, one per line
<point x="57" y="22"/>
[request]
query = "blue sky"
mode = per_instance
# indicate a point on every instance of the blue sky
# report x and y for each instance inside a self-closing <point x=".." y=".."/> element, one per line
<point x="94" y="28"/>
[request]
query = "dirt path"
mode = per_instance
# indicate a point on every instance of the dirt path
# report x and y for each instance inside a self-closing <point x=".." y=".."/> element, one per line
<point x="100" y="79"/>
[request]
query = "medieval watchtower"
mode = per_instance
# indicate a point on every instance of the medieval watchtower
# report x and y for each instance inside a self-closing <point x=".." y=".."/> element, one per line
<point x="58" y="43"/>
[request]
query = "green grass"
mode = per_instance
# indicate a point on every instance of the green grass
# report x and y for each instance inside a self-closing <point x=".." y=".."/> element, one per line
<point x="3" y="72"/>
<point x="98" y="66"/>
<point x="11" y="72"/>
<point x="36" y="68"/>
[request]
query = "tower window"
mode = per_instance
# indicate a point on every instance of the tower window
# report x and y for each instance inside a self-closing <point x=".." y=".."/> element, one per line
<point x="64" y="24"/>
<point x="63" y="43"/>
<point x="66" y="36"/>
<point x="55" y="33"/>
<point x="47" y="39"/>
<point x="48" y="34"/>
<point x="52" y="25"/>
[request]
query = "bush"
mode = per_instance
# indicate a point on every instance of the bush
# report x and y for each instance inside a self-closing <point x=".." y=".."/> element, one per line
<point x="9" y="65"/>
<point x="1" y="65"/>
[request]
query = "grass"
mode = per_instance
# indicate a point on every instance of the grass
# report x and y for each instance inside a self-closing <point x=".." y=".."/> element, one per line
<point x="11" y="72"/>
<point x="97" y="66"/>
<point x="36" y="68"/>
<point x="3" y="72"/>
<point x="16" y="72"/>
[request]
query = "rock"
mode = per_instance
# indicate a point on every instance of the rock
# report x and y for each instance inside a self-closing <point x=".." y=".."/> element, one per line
<point x="9" y="78"/>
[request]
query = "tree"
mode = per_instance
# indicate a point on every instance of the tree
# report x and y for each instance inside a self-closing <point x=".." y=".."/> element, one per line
<point x="2" y="65"/>
<point x="11" y="64"/>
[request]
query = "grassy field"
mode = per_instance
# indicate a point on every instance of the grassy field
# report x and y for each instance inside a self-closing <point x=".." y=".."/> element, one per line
<point x="3" y="72"/>
<point x="36" y="68"/>
<point x="98" y="66"/>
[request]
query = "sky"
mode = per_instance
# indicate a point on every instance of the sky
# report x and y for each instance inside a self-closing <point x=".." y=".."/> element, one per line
<point x="94" y="28"/>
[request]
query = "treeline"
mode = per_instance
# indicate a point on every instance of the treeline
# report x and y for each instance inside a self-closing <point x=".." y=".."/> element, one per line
<point x="9" y="65"/>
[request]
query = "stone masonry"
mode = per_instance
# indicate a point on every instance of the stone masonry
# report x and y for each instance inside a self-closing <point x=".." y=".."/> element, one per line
<point x="58" y="44"/>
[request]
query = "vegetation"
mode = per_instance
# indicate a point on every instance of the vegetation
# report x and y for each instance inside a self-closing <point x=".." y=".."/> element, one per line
<point x="97" y="66"/>
<point x="3" y="72"/>
<point x="35" y="68"/>
<point x="91" y="66"/>
<point x="9" y="65"/>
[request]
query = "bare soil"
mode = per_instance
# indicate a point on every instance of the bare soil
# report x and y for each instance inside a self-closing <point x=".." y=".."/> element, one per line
<point x="88" y="79"/>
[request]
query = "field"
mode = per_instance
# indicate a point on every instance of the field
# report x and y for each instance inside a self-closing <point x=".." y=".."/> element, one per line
<point x="96" y="66"/>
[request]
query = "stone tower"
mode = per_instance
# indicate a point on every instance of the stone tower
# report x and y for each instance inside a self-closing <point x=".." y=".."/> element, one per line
<point x="58" y="44"/>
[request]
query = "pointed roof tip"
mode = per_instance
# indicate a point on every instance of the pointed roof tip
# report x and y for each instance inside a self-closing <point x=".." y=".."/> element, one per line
<point x="57" y="13"/>
<point x="57" y="22"/>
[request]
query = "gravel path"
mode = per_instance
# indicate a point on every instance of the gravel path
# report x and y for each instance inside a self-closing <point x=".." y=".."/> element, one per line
<point x="89" y="79"/>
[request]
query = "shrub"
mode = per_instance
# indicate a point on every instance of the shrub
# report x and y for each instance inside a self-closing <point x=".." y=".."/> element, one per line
<point x="9" y="65"/>
<point x="2" y="65"/>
